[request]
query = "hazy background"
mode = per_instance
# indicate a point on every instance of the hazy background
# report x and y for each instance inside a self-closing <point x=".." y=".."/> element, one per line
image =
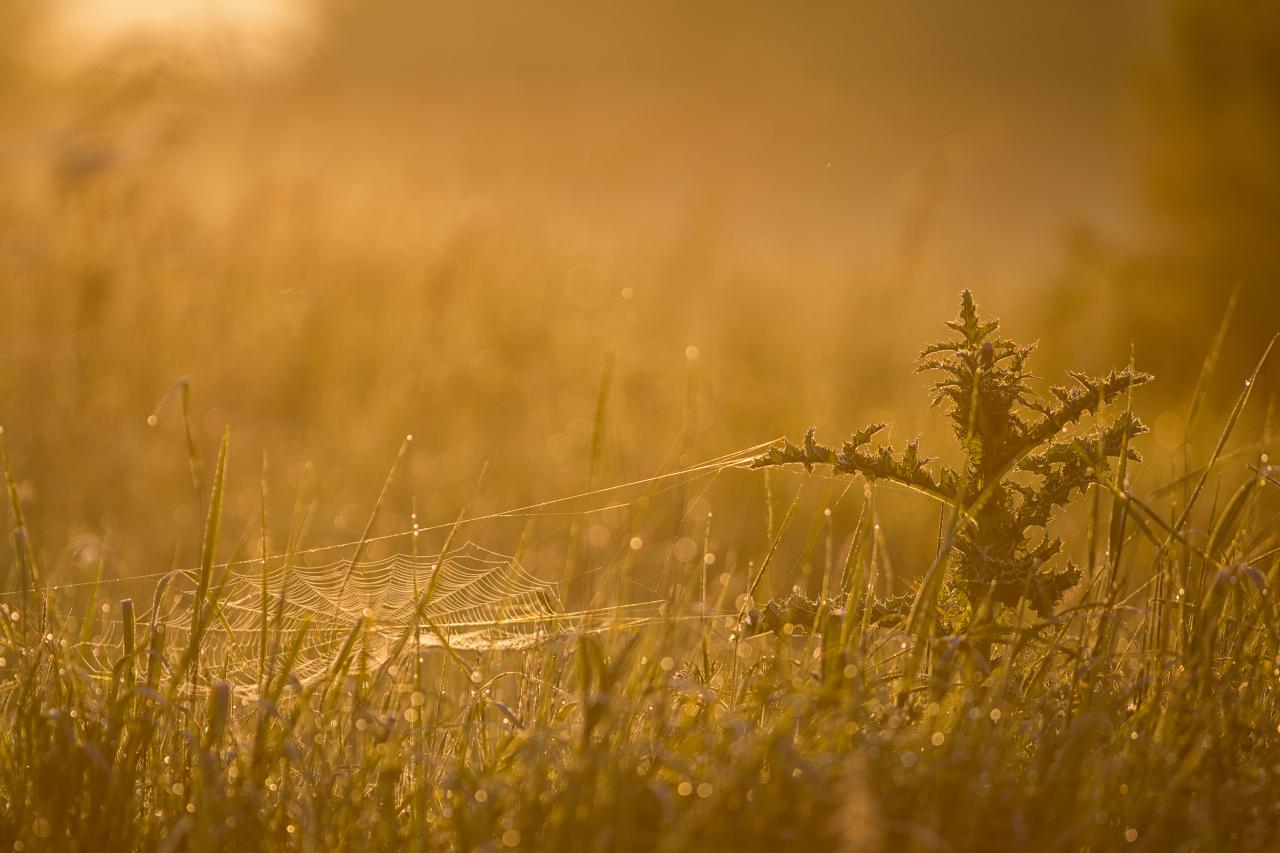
<point x="346" y="222"/>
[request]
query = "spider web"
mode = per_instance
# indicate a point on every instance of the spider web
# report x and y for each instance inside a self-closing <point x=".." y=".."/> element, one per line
<point x="377" y="612"/>
<point x="471" y="599"/>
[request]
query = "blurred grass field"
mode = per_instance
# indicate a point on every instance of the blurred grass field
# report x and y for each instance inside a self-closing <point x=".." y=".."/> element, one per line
<point x="574" y="252"/>
<point x="377" y="229"/>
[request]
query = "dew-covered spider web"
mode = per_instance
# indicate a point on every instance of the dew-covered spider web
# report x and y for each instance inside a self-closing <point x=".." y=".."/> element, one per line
<point x="303" y="613"/>
<point x="470" y="600"/>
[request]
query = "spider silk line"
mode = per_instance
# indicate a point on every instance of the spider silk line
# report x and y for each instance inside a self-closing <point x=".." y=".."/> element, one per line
<point x="716" y="465"/>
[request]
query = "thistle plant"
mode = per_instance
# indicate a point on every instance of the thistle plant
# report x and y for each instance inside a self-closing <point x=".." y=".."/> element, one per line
<point x="1025" y="456"/>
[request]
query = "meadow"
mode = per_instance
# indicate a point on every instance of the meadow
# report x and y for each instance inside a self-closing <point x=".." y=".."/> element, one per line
<point x="451" y="700"/>
<point x="595" y="448"/>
